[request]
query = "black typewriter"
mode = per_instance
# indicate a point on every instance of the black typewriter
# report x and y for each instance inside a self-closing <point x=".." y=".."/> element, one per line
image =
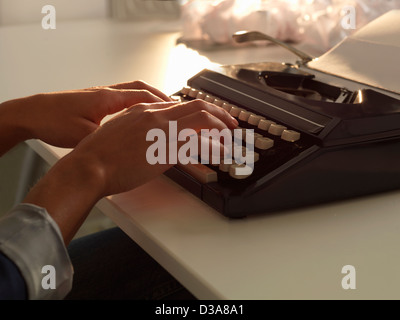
<point x="314" y="142"/>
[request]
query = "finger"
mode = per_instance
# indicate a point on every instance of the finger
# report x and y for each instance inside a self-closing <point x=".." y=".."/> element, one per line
<point x="127" y="98"/>
<point x="149" y="106"/>
<point x="199" y="148"/>
<point x="211" y="142"/>
<point x="139" y="109"/>
<point x="199" y="120"/>
<point x="212" y="150"/>
<point x="187" y="108"/>
<point x="141" y="85"/>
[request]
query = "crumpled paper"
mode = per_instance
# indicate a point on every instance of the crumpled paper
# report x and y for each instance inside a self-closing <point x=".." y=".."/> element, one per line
<point x="319" y="23"/>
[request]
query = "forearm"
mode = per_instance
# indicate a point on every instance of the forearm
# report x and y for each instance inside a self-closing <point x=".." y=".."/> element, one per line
<point x="68" y="192"/>
<point x="12" y="129"/>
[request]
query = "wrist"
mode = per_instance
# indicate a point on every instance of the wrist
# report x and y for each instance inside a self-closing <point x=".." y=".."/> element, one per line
<point x="13" y="128"/>
<point x="69" y="191"/>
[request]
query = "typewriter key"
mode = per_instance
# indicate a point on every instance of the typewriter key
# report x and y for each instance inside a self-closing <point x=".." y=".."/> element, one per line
<point x="255" y="119"/>
<point x="235" y="111"/>
<point x="265" y="124"/>
<point x="276" y="129"/>
<point x="290" y="135"/>
<point x="264" y="143"/>
<point x="227" y="106"/>
<point x="185" y="90"/>
<point x="240" y="171"/>
<point x="201" y="95"/>
<point x="244" y="115"/>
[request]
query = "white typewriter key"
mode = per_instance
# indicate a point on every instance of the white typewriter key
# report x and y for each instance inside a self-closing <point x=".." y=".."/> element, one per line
<point x="240" y="171"/>
<point x="235" y="111"/>
<point x="252" y="136"/>
<point x="193" y="93"/>
<point x="218" y="102"/>
<point x="255" y="119"/>
<point x="256" y="136"/>
<point x="276" y="129"/>
<point x="227" y="106"/>
<point x="290" y="135"/>
<point x="238" y="149"/>
<point x="264" y="143"/>
<point x="185" y="90"/>
<point x="253" y="154"/>
<point x="209" y="98"/>
<point x="244" y="115"/>
<point x="201" y="95"/>
<point x="265" y="124"/>
<point x="224" y="167"/>
<point x="200" y="172"/>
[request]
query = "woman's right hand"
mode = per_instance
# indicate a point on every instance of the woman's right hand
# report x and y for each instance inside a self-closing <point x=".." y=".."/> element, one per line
<point x="113" y="159"/>
<point x="119" y="147"/>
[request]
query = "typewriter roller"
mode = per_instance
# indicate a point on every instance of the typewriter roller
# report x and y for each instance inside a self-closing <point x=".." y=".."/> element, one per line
<point x="313" y="142"/>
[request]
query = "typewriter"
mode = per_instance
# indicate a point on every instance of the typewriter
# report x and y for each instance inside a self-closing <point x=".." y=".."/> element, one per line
<point x="314" y="142"/>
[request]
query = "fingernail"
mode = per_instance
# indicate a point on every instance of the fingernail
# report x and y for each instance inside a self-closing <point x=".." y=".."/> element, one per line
<point x="234" y="121"/>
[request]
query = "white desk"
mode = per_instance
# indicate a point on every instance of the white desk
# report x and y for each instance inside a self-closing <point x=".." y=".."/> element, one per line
<point x="292" y="255"/>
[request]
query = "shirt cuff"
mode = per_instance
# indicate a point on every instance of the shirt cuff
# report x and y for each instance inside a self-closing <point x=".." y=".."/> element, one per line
<point x="32" y="240"/>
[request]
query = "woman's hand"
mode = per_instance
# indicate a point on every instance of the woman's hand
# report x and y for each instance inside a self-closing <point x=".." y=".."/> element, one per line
<point x="113" y="159"/>
<point x="63" y="119"/>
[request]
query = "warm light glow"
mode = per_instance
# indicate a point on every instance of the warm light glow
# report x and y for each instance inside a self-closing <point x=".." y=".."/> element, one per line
<point x="183" y="63"/>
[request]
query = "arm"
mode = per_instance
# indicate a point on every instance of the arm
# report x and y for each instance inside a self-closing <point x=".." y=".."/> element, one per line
<point x="63" y="119"/>
<point x="110" y="160"/>
<point x="12" y="131"/>
<point x="29" y="237"/>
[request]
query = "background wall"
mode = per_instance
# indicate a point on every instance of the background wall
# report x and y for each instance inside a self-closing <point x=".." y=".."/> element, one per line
<point x="30" y="11"/>
<point x="12" y="164"/>
<point x="17" y="12"/>
<point x="145" y="9"/>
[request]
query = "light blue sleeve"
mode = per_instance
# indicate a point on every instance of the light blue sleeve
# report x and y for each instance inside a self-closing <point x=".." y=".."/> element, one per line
<point x="32" y="240"/>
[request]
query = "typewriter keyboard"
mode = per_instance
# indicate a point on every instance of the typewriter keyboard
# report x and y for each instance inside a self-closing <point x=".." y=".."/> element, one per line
<point x="274" y="144"/>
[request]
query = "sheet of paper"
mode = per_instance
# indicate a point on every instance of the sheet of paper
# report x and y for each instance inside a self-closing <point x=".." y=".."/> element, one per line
<point x="370" y="56"/>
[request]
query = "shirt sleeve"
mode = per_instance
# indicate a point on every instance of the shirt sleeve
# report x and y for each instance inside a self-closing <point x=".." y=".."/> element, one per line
<point x="31" y="239"/>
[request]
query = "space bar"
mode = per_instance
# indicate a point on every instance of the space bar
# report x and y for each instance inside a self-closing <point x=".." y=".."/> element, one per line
<point x="200" y="172"/>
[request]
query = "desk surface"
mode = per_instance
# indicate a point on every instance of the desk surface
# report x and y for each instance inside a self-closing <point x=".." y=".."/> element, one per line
<point x="297" y="254"/>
